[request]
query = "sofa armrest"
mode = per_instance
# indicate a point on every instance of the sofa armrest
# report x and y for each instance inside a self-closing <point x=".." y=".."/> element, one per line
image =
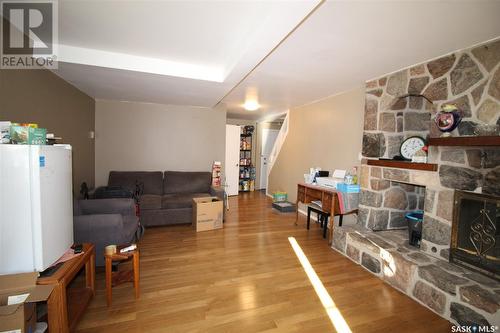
<point x="217" y="192"/>
<point x="122" y="206"/>
<point x="98" y="228"/>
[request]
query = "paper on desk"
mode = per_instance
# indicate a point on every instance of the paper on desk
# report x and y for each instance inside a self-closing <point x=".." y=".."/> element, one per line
<point x="17" y="299"/>
<point x="337" y="173"/>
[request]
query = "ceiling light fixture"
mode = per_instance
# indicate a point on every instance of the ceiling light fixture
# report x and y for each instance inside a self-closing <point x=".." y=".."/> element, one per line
<point x="251" y="105"/>
<point x="251" y="99"/>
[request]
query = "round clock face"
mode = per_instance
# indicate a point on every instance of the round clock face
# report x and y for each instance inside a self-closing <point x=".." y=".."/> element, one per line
<point x="410" y="146"/>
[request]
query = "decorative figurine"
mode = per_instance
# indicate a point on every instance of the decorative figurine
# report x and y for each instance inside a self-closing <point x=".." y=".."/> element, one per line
<point x="447" y="119"/>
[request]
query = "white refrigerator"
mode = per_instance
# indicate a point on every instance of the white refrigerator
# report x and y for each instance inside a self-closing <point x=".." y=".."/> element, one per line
<point x="36" y="206"/>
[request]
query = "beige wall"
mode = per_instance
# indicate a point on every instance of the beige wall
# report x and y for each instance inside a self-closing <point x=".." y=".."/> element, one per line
<point x="149" y="137"/>
<point x="39" y="96"/>
<point x="325" y="134"/>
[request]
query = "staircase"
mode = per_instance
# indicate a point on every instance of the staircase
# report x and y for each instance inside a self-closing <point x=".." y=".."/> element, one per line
<point x="277" y="147"/>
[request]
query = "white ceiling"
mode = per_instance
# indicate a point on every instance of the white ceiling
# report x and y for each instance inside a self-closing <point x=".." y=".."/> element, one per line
<point x="196" y="52"/>
<point x="344" y="43"/>
<point x="170" y="52"/>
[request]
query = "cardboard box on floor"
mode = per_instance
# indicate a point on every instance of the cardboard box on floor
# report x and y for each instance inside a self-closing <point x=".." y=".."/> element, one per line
<point x="18" y="296"/>
<point x="207" y="213"/>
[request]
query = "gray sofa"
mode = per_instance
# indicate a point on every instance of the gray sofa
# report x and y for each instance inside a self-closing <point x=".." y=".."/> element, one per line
<point x="166" y="198"/>
<point x="104" y="222"/>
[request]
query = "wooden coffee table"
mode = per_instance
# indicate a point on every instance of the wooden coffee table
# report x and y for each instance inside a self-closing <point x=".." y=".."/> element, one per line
<point x="116" y="278"/>
<point x="66" y="305"/>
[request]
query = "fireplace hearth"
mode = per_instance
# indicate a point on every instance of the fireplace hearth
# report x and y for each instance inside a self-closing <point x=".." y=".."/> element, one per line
<point x="475" y="238"/>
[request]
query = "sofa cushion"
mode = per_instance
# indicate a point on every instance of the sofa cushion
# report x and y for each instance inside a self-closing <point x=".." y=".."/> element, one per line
<point x="185" y="200"/>
<point x="151" y="181"/>
<point x="186" y="182"/>
<point x="150" y="201"/>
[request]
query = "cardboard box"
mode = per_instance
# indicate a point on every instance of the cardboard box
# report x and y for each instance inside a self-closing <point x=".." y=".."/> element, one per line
<point x="18" y="296"/>
<point x="27" y="135"/>
<point x="207" y="213"/>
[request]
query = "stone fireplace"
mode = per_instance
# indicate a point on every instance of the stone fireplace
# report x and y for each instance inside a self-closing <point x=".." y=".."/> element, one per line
<point x="401" y="105"/>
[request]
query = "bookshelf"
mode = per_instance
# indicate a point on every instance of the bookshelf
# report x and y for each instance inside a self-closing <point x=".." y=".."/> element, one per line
<point x="247" y="169"/>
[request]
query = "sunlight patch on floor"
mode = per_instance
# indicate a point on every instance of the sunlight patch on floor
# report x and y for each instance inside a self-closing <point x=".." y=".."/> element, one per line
<point x="333" y="312"/>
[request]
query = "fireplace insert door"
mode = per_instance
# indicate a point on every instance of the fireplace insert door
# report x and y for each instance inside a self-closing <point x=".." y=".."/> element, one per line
<point x="475" y="238"/>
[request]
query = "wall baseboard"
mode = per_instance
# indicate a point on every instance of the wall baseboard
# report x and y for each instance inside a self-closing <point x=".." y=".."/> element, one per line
<point x="314" y="217"/>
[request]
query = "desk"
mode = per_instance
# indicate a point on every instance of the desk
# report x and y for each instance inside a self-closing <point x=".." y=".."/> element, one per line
<point x="328" y="196"/>
<point x="66" y="305"/>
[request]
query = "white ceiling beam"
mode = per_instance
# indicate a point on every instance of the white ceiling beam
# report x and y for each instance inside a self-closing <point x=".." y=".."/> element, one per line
<point x="122" y="61"/>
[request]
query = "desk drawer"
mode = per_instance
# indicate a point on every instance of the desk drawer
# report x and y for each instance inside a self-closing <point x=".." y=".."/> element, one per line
<point x="314" y="194"/>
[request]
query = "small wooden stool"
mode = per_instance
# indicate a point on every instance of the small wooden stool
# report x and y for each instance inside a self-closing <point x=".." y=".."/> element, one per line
<point x="114" y="279"/>
<point x="322" y="217"/>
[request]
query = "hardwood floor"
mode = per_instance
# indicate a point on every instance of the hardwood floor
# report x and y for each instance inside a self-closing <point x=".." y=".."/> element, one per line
<point x="247" y="278"/>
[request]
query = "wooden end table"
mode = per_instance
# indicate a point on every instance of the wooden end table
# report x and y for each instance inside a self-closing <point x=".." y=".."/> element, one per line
<point x="66" y="305"/>
<point x="114" y="279"/>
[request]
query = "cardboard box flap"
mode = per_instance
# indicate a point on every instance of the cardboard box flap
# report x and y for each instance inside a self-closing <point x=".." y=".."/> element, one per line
<point x="14" y="282"/>
<point x="19" y="284"/>
<point x="40" y="293"/>
<point x="206" y="199"/>
<point x="7" y="310"/>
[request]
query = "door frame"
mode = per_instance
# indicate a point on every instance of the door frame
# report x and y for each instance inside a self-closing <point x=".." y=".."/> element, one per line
<point x="232" y="147"/>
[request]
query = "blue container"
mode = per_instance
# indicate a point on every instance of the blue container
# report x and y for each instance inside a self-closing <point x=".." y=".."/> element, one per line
<point x="415" y="220"/>
<point x="348" y="188"/>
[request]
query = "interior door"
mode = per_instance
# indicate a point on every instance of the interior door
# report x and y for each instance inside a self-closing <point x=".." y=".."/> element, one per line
<point x="232" y="159"/>
<point x="268" y="139"/>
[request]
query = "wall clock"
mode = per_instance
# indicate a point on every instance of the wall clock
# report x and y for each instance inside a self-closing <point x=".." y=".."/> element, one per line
<point x="410" y="146"/>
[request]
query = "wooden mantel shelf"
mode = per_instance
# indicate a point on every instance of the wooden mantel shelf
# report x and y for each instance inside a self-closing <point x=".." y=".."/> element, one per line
<point x="404" y="165"/>
<point x="465" y="141"/>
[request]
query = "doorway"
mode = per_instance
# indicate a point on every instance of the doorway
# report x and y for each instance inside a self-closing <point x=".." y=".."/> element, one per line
<point x="268" y="137"/>
<point x="232" y="165"/>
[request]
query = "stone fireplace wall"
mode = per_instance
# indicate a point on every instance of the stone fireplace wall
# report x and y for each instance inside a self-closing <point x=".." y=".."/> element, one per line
<point x="390" y="200"/>
<point x="395" y="105"/>
<point x="402" y="104"/>
<point x="398" y="119"/>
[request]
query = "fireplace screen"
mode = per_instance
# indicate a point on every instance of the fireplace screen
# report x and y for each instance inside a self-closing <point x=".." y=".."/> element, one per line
<point x="475" y="238"/>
